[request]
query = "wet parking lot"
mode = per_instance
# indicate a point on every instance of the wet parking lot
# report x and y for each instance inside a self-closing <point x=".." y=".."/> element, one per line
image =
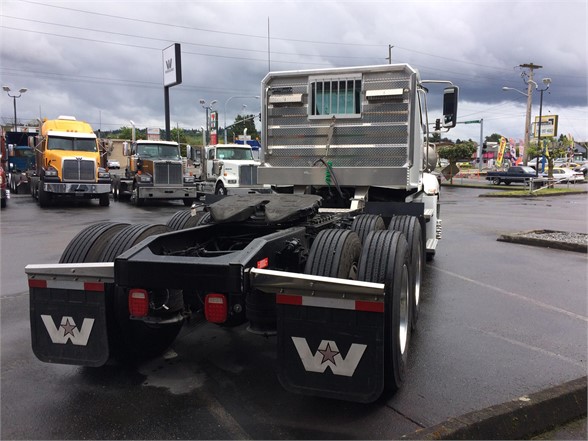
<point x="498" y="320"/>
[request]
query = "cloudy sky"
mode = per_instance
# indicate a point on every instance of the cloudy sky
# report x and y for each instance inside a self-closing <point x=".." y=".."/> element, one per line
<point x="102" y="60"/>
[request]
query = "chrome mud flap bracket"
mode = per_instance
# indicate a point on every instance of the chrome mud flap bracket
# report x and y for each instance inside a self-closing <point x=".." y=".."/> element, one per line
<point x="330" y="334"/>
<point x="68" y="313"/>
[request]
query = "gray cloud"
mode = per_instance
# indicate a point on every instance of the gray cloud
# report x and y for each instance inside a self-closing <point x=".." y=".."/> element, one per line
<point x="102" y="61"/>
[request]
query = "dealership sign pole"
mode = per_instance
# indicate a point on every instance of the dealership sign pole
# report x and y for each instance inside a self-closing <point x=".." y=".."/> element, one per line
<point x="172" y="75"/>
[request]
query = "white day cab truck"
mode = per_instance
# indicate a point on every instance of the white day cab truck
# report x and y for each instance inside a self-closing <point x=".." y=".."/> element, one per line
<point x="330" y="265"/>
<point x="227" y="169"/>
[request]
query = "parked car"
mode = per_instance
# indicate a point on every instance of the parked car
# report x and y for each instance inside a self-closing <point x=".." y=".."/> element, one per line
<point x="113" y="163"/>
<point x="564" y="174"/>
<point x="520" y="174"/>
<point x="582" y="168"/>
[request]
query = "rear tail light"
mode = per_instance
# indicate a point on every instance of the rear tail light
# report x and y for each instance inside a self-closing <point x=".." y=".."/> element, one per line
<point x="215" y="308"/>
<point x="138" y="302"/>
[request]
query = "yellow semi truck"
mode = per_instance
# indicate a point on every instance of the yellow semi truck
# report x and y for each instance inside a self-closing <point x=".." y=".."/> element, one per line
<point x="68" y="163"/>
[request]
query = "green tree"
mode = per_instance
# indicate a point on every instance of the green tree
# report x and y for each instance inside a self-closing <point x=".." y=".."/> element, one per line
<point x="552" y="150"/>
<point x="495" y="137"/>
<point x="241" y="123"/>
<point x="457" y="152"/>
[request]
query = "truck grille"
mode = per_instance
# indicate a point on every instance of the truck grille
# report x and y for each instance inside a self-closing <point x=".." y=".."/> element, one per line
<point x="76" y="170"/>
<point x="248" y="175"/>
<point x="167" y="173"/>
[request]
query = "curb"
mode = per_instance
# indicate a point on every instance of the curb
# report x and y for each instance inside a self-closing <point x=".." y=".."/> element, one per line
<point x="521" y="238"/>
<point x="520" y="418"/>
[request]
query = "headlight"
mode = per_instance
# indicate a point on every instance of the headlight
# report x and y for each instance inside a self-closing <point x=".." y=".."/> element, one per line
<point x="145" y="178"/>
<point x="51" y="172"/>
<point x="103" y="175"/>
<point x="189" y="179"/>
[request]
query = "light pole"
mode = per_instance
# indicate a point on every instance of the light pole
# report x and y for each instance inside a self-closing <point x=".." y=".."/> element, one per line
<point x="208" y="108"/>
<point x="14" y="97"/>
<point x="547" y="82"/>
<point x="227" y="102"/>
<point x="529" y="96"/>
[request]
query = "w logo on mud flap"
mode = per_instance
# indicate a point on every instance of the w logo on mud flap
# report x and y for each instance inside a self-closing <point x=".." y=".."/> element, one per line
<point x="328" y="356"/>
<point x="68" y="330"/>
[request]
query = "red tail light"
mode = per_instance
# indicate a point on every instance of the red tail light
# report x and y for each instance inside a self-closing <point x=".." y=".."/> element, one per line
<point x="138" y="302"/>
<point x="215" y="308"/>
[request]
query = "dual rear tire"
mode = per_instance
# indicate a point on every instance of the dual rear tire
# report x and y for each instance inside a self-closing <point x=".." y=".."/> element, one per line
<point x="383" y="258"/>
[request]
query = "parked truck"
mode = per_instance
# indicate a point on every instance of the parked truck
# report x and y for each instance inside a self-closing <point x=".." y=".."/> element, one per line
<point x="154" y="170"/>
<point x="67" y="163"/>
<point x="20" y="160"/>
<point x="227" y="169"/>
<point x="522" y="174"/>
<point x="331" y="265"/>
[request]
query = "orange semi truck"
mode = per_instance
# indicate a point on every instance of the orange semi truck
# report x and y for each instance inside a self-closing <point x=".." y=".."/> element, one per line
<point x="68" y="163"/>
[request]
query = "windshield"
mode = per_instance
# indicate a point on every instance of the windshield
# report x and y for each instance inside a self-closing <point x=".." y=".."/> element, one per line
<point x="163" y="151"/>
<point x="234" y="153"/>
<point x="72" y="144"/>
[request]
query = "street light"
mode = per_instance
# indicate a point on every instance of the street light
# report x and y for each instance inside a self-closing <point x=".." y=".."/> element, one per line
<point x="529" y="96"/>
<point x="547" y="82"/>
<point x="208" y="108"/>
<point x="14" y="97"/>
<point x="227" y="102"/>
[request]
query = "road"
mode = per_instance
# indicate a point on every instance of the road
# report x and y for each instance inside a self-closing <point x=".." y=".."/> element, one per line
<point x="498" y="321"/>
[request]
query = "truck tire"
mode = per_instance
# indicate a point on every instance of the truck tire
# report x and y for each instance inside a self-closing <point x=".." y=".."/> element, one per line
<point x="496" y="181"/>
<point x="132" y="340"/>
<point x="115" y="190"/>
<point x="184" y="219"/>
<point x="135" y="199"/>
<point x="384" y="259"/>
<point x="128" y="237"/>
<point x="364" y="223"/>
<point x="104" y="200"/>
<point x="334" y="253"/>
<point x="43" y="196"/>
<point x="220" y="189"/>
<point x="411" y="228"/>
<point x="88" y="244"/>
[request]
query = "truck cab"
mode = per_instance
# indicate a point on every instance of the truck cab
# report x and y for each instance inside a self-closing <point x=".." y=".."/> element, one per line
<point x="229" y="168"/>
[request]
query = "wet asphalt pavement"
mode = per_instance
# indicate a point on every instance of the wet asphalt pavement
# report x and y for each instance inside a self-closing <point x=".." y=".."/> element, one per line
<point x="498" y="321"/>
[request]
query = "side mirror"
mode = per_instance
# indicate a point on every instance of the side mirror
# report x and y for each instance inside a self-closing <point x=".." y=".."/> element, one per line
<point x="450" y="95"/>
<point x="126" y="149"/>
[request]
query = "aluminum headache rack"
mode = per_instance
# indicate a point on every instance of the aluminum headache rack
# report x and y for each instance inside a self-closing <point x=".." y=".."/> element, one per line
<point x="356" y="118"/>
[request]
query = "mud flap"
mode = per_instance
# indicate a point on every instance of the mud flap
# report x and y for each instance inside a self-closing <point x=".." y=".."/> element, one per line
<point x="333" y="350"/>
<point x="68" y="321"/>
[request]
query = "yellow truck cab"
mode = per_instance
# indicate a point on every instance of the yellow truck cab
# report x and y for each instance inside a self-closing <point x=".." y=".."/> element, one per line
<point x="68" y="163"/>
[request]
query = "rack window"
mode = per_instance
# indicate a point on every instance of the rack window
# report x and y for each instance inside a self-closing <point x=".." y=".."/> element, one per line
<point x="340" y="97"/>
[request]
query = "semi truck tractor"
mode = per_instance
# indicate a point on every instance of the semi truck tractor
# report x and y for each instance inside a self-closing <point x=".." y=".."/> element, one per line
<point x="154" y="170"/>
<point x="330" y="266"/>
<point x="21" y="160"/>
<point x="68" y="162"/>
<point x="228" y="169"/>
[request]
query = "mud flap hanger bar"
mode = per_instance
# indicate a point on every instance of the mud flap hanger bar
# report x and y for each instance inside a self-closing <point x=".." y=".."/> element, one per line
<point x="282" y="282"/>
<point x="82" y="272"/>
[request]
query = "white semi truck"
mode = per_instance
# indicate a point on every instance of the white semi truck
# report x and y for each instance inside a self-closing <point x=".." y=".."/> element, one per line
<point x="331" y="265"/>
<point x="227" y="169"/>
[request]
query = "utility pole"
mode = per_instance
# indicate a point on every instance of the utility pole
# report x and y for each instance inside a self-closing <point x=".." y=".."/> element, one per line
<point x="530" y="84"/>
<point x="389" y="54"/>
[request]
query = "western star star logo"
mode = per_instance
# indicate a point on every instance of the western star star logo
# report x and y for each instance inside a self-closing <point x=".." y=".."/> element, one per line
<point x="68" y="330"/>
<point x="328" y="356"/>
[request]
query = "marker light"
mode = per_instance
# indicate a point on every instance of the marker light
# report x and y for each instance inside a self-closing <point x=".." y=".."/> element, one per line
<point x="138" y="302"/>
<point x="215" y="308"/>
